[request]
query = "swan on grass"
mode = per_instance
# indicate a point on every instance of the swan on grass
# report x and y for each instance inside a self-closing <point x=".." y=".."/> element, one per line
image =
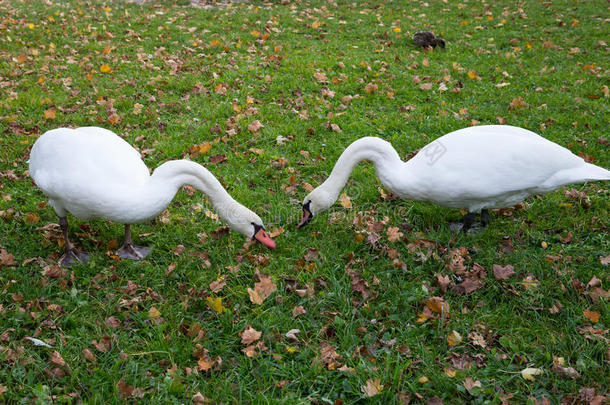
<point x="475" y="168"/>
<point x="93" y="173"/>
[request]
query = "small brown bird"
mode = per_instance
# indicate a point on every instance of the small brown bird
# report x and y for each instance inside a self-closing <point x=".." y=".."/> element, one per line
<point x="426" y="38"/>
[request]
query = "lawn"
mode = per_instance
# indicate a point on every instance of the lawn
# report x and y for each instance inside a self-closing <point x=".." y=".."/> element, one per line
<point x="390" y="306"/>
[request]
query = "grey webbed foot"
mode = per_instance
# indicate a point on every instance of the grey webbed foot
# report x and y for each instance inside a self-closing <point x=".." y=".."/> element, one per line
<point x="73" y="256"/>
<point x="133" y="252"/>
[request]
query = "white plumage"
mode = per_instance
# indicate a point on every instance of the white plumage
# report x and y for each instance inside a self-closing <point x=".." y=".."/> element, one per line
<point x="93" y="173"/>
<point x="476" y="168"/>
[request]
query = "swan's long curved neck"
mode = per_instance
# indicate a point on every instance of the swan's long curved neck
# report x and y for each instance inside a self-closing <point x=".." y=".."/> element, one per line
<point x="383" y="155"/>
<point x="172" y="175"/>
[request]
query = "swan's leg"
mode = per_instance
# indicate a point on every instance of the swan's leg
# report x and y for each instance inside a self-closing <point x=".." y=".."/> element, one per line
<point x="484" y="217"/>
<point x="464" y="225"/>
<point x="467" y="221"/>
<point x="129" y="250"/>
<point x="71" y="255"/>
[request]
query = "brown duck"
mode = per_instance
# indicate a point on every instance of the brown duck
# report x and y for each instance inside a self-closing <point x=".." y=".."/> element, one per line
<point x="426" y="38"/>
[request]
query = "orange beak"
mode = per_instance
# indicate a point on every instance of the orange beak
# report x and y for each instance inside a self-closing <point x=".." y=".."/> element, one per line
<point x="265" y="239"/>
<point x="307" y="216"/>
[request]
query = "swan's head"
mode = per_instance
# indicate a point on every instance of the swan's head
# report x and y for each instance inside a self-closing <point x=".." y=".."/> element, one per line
<point x="315" y="203"/>
<point x="246" y="222"/>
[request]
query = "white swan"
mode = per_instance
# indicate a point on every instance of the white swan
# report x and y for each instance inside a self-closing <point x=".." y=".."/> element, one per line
<point x="477" y="168"/>
<point x="93" y="173"/>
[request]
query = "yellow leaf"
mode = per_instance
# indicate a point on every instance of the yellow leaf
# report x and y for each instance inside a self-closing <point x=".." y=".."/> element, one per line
<point x="291" y="349"/>
<point x="421" y="318"/>
<point x="41" y="80"/>
<point x="423" y="379"/>
<point x="105" y="68"/>
<point x="529" y="373"/>
<point x="454" y="338"/>
<point x="107" y="50"/>
<point x="396" y="29"/>
<point x="215" y="304"/>
<point x="472" y="74"/>
<point x="592" y="316"/>
<point x="154" y="313"/>
<point x="50" y="113"/>
<point x="449" y="372"/>
<point x="255" y="33"/>
<point x="438" y="305"/>
<point x="31" y="26"/>
<point x="315" y="24"/>
<point x="214" y="42"/>
<point x="345" y="201"/>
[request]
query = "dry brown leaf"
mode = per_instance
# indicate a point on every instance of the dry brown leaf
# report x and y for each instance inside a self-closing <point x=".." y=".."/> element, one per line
<point x="503" y="272"/>
<point x="592" y="316"/>
<point x="517" y="103"/>
<point x="57" y="359"/>
<point x="469" y="384"/>
<point x="394" y="234"/>
<point x="255" y="126"/>
<point x="438" y="305"/>
<point x="345" y="201"/>
<point x="373" y="387"/>
<point x="6" y="259"/>
<point x="298" y="310"/>
<point x="50" y="113"/>
<point x="250" y="335"/>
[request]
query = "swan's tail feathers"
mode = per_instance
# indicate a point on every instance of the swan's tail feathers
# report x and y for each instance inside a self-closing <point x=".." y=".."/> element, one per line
<point x="581" y="174"/>
<point x="592" y="173"/>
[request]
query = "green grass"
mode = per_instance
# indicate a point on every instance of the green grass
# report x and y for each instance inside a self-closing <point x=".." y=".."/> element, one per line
<point x="531" y="47"/>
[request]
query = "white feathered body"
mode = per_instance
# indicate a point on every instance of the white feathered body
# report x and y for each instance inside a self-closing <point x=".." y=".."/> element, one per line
<point x="490" y="166"/>
<point x="93" y="173"/>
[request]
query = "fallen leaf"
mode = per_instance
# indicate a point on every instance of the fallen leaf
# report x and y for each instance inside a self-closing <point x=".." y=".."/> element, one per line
<point x="394" y="234"/>
<point x="216" y="286"/>
<point x="592" y="316"/>
<point x="345" y="201"/>
<point x="604" y="260"/>
<point x="443" y="282"/>
<point x="517" y="103"/>
<point x="292" y="334"/>
<point x="372" y="387"/>
<point x="255" y="126"/>
<point x="199" y="399"/>
<point x="250" y="335"/>
<point x="6" y="259"/>
<point x="298" y="310"/>
<point x="154" y="313"/>
<point x="87" y="354"/>
<point x="57" y="359"/>
<point x="125" y="391"/>
<point x="218" y="158"/>
<point x="454" y="338"/>
<point x="50" y="113"/>
<point x="262" y="289"/>
<point x="469" y="384"/>
<point x="529" y="373"/>
<point x="503" y="272"/>
<point x="105" y="68"/>
<point x="438" y="305"/>
<point x="215" y="304"/>
<point x="336" y="128"/>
